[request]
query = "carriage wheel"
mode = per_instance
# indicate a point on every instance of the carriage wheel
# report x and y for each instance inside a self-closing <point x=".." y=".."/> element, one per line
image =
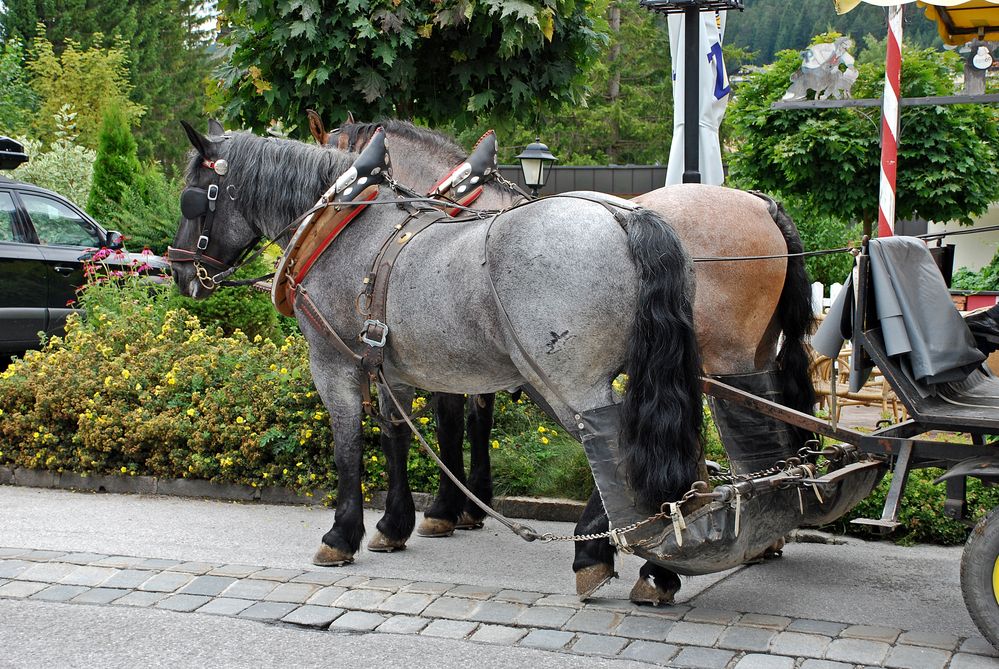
<point x="980" y="576"/>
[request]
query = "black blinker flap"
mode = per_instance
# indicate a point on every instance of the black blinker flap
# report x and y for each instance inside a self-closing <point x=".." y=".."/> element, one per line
<point x="193" y="203"/>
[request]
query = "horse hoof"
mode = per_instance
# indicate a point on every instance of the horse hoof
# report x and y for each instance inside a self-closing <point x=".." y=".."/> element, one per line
<point x="331" y="557"/>
<point x="435" y="527"/>
<point x="467" y="522"/>
<point x="645" y="593"/>
<point x="382" y="544"/>
<point x="589" y="579"/>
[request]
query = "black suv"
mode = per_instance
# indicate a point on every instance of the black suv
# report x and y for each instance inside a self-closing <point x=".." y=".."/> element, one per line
<point x="44" y="242"/>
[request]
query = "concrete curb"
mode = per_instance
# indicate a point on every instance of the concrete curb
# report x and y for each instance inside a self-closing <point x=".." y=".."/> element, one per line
<point x="531" y="508"/>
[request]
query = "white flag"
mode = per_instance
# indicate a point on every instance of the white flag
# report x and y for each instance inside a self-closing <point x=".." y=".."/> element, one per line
<point x="714" y="93"/>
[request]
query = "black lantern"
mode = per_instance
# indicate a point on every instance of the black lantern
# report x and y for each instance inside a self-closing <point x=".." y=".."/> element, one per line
<point x="535" y="162"/>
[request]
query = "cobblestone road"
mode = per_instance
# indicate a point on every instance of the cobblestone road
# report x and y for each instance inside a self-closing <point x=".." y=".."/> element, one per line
<point x="677" y="636"/>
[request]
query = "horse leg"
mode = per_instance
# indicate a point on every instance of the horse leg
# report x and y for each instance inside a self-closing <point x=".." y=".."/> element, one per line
<point x="594" y="559"/>
<point x="338" y="388"/>
<point x="480" y="481"/>
<point x="440" y="519"/>
<point x="396" y="524"/>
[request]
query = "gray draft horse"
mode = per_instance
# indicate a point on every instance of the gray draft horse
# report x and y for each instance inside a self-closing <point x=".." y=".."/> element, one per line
<point x="470" y="309"/>
<point x="740" y="310"/>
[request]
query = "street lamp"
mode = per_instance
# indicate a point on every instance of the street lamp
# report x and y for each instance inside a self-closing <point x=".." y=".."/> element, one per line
<point x="535" y="162"/>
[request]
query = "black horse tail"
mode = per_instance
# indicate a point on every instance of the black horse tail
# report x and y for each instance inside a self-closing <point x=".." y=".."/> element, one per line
<point x="794" y="311"/>
<point x="662" y="411"/>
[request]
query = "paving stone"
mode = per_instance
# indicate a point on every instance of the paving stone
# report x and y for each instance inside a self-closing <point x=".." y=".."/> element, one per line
<point x="389" y="584"/>
<point x="976" y="645"/>
<point x="695" y="634"/>
<point x="184" y="603"/>
<point x="649" y="628"/>
<point x="322" y="578"/>
<point x="751" y="639"/>
<point x="79" y="558"/>
<point x="351" y="581"/>
<point x="916" y="657"/>
<point x="207" y="585"/>
<point x="249" y="588"/>
<point x="608" y="604"/>
<point x="268" y="611"/>
<point x="411" y="603"/>
<point x="119" y="562"/>
<point x="767" y="622"/>
<point x="472" y="591"/>
<point x="595" y="622"/>
<point x="127" y="578"/>
<point x="403" y="625"/>
<point x="545" y="616"/>
<point x="357" y="621"/>
<point x="326" y="596"/>
<point x="295" y="593"/>
<point x="362" y="599"/>
<point x="41" y="556"/>
<point x="824" y="664"/>
<point x="313" y="616"/>
<point x="48" y="572"/>
<point x="598" y="644"/>
<point x="757" y="661"/>
<point x="929" y="640"/>
<point x="234" y="570"/>
<point x="713" y="616"/>
<point x="498" y="634"/>
<point x="21" y="589"/>
<point x="501" y="613"/>
<point x="568" y="601"/>
<point x="6" y="553"/>
<point x="800" y="645"/>
<point x="702" y="658"/>
<point x="166" y="581"/>
<point x="60" y="593"/>
<point x="196" y="568"/>
<point x="967" y="661"/>
<point x="518" y="596"/>
<point x="12" y="568"/>
<point x="225" y="606"/>
<point x="157" y="563"/>
<point x="649" y="651"/>
<point x="451" y="607"/>
<point x="871" y="633"/>
<point x="274" y="574"/>
<point x="449" y="629"/>
<point x="823" y="627"/>
<point x="858" y="651"/>
<point x="99" y="596"/>
<point x="428" y="587"/>
<point x="547" y="639"/>
<point x="89" y="576"/>
<point x="141" y="599"/>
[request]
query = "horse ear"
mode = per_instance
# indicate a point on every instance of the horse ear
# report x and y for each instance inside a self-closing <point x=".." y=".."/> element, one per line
<point x="198" y="141"/>
<point x="316" y="126"/>
<point x="350" y="117"/>
<point x="215" y="128"/>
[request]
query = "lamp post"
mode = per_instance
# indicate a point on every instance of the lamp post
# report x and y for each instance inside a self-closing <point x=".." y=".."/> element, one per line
<point x="535" y="162"/>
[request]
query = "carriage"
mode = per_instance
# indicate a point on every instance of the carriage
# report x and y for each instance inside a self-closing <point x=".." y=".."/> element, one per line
<point x="652" y="498"/>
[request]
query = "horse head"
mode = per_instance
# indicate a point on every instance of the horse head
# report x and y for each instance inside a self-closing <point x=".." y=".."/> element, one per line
<point x="212" y="235"/>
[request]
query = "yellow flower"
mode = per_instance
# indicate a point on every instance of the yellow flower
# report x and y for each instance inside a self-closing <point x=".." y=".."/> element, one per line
<point x="124" y="470"/>
<point x="284" y="370"/>
<point x="125" y="373"/>
<point x="308" y="434"/>
<point x="240" y="420"/>
<point x="258" y="338"/>
<point x="265" y="475"/>
<point x="191" y="412"/>
<point x="376" y="430"/>
<point x="541" y="428"/>
<point x="107" y="381"/>
<point x="495" y="444"/>
<point x="138" y="387"/>
<point x="544" y="440"/>
<point x="285" y="472"/>
<point x="424" y="420"/>
<point x="319" y="414"/>
<point x="374" y="458"/>
<point x="273" y="367"/>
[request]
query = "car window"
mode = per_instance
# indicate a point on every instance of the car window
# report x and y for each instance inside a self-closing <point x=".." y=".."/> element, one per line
<point x="55" y="223"/>
<point x="7" y="218"/>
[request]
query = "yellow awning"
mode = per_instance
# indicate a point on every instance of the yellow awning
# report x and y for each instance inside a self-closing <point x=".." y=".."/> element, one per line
<point x="958" y="21"/>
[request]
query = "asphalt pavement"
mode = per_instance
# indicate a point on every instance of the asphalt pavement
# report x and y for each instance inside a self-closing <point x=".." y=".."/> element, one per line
<point x="493" y="600"/>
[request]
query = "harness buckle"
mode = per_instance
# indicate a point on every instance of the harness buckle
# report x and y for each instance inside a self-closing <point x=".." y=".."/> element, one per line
<point x="368" y="325"/>
<point x="213" y="192"/>
<point x="202" y="242"/>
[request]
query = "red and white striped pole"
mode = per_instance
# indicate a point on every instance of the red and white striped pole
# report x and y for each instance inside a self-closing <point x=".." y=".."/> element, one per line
<point x="889" y="123"/>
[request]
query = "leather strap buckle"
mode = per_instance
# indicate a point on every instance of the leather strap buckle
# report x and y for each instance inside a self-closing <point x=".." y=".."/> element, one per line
<point x="372" y="326"/>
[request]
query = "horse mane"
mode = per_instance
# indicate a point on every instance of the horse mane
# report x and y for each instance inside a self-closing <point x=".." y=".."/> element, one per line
<point x="275" y="165"/>
<point x="437" y="142"/>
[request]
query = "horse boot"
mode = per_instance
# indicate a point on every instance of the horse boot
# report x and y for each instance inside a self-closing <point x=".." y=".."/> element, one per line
<point x="754" y="442"/>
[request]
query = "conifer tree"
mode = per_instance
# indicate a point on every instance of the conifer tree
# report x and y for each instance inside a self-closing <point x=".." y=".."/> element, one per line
<point x="117" y="168"/>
